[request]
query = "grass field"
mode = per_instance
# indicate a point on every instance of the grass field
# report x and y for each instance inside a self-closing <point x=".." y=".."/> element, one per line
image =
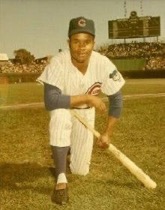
<point x="26" y="178"/>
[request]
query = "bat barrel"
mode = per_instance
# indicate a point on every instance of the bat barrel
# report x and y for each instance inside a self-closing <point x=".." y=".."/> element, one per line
<point x="133" y="168"/>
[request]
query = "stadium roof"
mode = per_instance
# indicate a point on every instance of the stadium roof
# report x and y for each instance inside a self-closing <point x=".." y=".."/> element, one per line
<point x="3" y="57"/>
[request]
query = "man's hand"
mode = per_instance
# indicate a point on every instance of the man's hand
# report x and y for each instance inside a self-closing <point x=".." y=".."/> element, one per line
<point x="96" y="102"/>
<point x="104" y="141"/>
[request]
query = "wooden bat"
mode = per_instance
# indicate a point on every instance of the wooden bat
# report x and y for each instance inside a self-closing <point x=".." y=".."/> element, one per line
<point x="130" y="165"/>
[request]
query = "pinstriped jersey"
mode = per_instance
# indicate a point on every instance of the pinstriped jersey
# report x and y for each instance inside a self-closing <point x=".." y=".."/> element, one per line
<point x="101" y="75"/>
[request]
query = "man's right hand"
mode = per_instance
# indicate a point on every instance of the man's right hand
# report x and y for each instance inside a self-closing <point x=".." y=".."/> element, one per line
<point x="94" y="101"/>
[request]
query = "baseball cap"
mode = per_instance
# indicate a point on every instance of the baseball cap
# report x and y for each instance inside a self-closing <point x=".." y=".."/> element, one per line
<point x="81" y="25"/>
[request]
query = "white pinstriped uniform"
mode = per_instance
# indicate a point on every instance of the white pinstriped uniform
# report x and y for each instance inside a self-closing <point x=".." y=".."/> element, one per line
<point x="64" y="129"/>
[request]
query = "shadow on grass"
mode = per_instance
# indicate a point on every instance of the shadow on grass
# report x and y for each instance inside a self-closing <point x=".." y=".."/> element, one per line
<point x="25" y="176"/>
<point x="131" y="185"/>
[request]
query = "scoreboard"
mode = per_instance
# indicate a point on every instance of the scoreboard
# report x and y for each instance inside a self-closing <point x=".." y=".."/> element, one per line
<point x="134" y="27"/>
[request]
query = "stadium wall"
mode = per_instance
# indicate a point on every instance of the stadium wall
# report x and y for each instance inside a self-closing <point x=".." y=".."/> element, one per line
<point x="130" y="64"/>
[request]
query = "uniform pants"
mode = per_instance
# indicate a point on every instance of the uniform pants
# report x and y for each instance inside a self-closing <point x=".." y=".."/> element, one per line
<point x="65" y="130"/>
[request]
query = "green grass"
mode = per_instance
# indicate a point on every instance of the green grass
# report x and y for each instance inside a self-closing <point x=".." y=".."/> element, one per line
<point x="20" y="93"/>
<point x="33" y="92"/>
<point x="26" y="179"/>
<point x="141" y="86"/>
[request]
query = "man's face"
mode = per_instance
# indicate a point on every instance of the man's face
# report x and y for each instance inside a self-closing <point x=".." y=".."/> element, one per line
<point x="81" y="46"/>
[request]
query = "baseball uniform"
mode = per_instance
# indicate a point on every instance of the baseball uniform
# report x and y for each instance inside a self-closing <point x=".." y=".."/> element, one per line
<point x="64" y="129"/>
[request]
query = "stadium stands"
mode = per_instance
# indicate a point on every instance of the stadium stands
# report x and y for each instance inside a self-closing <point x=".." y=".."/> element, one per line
<point x="153" y="52"/>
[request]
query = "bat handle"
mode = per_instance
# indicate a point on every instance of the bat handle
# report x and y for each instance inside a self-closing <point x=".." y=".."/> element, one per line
<point x="88" y="126"/>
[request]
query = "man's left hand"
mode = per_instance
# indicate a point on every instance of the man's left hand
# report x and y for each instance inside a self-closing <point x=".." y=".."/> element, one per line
<point x="104" y="141"/>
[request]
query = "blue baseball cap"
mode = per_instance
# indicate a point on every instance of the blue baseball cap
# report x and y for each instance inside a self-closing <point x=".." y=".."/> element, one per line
<point x="81" y="25"/>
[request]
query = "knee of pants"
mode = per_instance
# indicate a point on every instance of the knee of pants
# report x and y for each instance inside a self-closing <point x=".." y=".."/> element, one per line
<point x="81" y="169"/>
<point x="79" y="165"/>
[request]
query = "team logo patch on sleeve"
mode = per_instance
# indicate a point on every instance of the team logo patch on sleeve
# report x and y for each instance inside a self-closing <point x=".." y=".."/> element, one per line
<point x="94" y="89"/>
<point x="115" y="75"/>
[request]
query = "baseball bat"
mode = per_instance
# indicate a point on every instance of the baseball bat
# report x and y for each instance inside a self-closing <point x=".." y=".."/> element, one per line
<point x="129" y="164"/>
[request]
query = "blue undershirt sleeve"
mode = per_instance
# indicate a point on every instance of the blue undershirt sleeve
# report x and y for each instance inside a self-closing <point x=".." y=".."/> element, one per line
<point x="115" y="104"/>
<point x="54" y="99"/>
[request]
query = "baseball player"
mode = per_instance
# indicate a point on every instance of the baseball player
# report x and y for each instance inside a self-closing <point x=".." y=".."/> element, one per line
<point x="73" y="80"/>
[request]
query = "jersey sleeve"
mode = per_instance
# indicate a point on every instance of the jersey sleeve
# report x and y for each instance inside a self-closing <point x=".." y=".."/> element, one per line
<point x="53" y="75"/>
<point x="54" y="99"/>
<point x="113" y="80"/>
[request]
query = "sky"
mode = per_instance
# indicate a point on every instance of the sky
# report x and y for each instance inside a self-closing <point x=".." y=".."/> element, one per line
<point x="41" y="26"/>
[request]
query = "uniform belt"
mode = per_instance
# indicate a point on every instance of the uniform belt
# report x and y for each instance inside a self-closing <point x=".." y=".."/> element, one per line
<point x="88" y="107"/>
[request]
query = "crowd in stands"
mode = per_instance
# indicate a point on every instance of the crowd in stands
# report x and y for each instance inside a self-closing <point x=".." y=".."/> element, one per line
<point x="153" y="52"/>
<point x="135" y="50"/>
<point x="18" y="68"/>
<point x="155" y="63"/>
<point x="34" y="67"/>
